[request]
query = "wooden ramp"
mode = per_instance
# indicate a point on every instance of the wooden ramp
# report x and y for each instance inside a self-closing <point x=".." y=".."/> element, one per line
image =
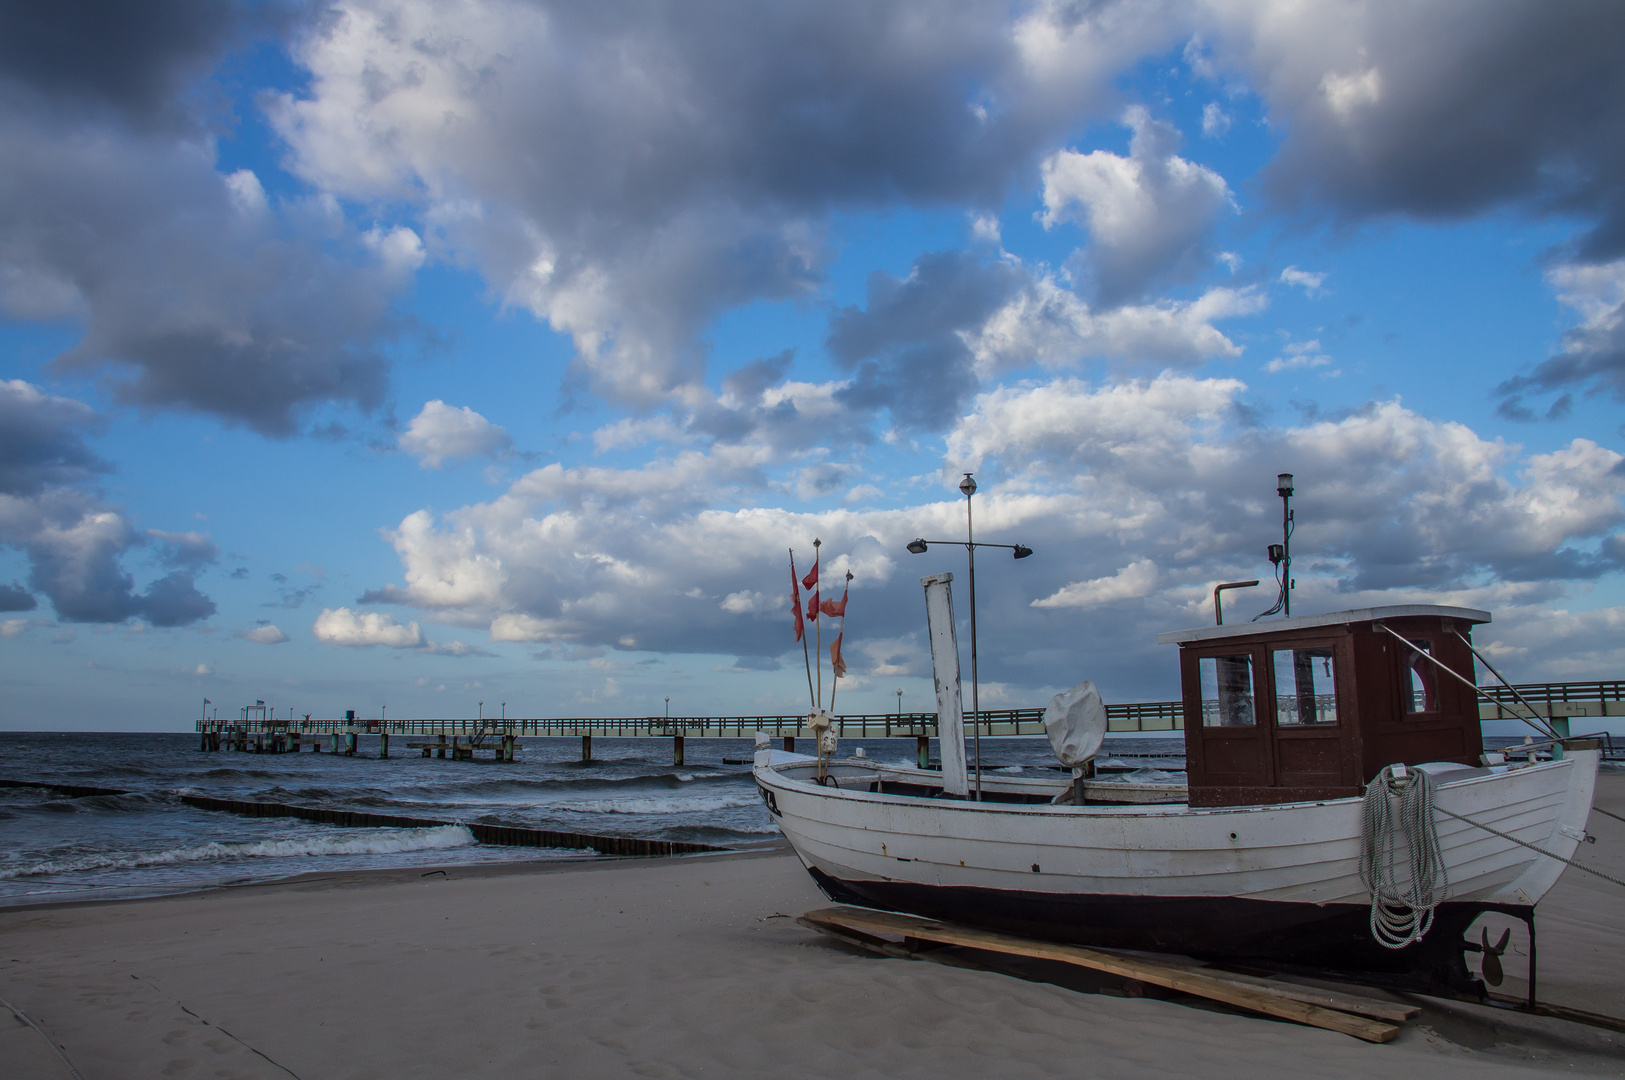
<point x="1351" y="1014"/>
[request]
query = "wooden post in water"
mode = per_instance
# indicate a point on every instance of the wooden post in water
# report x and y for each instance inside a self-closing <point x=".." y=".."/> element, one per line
<point x="383" y="745"/>
<point x="586" y="749"/>
<point x="922" y="751"/>
<point x="789" y="744"/>
<point x="676" y="749"/>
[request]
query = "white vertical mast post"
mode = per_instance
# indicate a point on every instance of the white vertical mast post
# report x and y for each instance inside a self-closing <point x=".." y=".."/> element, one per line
<point x="939" y="619"/>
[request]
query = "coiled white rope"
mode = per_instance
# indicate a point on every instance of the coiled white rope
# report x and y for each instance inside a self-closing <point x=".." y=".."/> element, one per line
<point x="1398" y="811"/>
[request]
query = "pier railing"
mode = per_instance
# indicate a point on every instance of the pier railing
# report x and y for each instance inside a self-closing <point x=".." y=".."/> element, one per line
<point x="1577" y="699"/>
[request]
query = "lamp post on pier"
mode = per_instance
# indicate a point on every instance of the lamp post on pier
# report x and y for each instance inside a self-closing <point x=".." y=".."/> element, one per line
<point x="918" y="546"/>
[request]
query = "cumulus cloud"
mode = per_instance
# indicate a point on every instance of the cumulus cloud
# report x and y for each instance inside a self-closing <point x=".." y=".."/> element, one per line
<point x="440" y="433"/>
<point x="1135" y="580"/>
<point x="16" y="598"/>
<point x="1299" y="355"/>
<point x="1137" y="494"/>
<point x="1419" y="109"/>
<point x="75" y="543"/>
<point x="1149" y="215"/>
<point x="1307" y="280"/>
<point x="190" y="287"/>
<point x="1593" y="353"/>
<point x="924" y="343"/>
<point x="264" y="635"/>
<point x="341" y="626"/>
<point x="42" y="440"/>
<point x="735" y="133"/>
<point x="1053" y="327"/>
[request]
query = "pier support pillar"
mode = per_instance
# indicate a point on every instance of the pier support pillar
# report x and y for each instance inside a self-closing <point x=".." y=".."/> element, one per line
<point x="676" y="749"/>
<point x="335" y="742"/>
<point x="509" y="743"/>
<point x="1560" y="724"/>
<point x="349" y="744"/>
<point x="441" y="752"/>
<point x="789" y="744"/>
<point x="586" y="749"/>
<point x="922" y="751"/>
<point x="383" y="745"/>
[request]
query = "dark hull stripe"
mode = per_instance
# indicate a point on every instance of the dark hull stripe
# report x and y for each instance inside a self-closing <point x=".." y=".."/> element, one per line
<point x="1331" y="937"/>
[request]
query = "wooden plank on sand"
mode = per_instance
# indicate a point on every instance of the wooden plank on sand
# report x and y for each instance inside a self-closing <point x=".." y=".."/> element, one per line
<point x="1190" y="980"/>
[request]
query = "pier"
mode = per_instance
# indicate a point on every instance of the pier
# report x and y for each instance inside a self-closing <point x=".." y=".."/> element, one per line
<point x="1567" y="705"/>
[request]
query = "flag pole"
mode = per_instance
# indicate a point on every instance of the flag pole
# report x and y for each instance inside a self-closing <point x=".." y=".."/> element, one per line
<point x="818" y="628"/>
<point x="796" y="598"/>
<point x="835" y="680"/>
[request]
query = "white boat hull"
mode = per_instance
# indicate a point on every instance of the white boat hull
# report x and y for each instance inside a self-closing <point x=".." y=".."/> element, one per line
<point x="1258" y="881"/>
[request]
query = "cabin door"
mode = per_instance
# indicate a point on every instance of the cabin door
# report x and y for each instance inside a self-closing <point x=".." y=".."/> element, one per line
<point x="1226" y="728"/>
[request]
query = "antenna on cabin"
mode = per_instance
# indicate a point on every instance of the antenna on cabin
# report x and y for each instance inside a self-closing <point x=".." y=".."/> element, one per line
<point x="1280" y="555"/>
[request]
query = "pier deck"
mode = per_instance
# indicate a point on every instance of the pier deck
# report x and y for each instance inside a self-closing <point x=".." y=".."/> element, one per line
<point x="1574" y="699"/>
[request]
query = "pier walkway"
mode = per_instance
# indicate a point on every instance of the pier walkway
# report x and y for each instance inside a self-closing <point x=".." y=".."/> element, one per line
<point x="1571" y="699"/>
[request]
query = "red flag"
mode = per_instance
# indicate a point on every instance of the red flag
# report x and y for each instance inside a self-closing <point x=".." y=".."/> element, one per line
<point x="811" y="579"/>
<point x="795" y="600"/>
<point x="837" y="662"/>
<point x="812" y="606"/>
<point x="837" y="608"/>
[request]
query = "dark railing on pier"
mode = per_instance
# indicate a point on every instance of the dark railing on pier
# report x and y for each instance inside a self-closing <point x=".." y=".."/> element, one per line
<point x="1583" y="698"/>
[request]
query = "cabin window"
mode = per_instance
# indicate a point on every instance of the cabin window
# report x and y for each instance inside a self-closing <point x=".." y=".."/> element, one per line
<point x="1227" y="691"/>
<point x="1305" y="687"/>
<point x="1421" y="679"/>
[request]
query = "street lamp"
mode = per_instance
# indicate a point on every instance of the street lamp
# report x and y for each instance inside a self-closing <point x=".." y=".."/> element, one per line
<point x="668" y="706"/>
<point x="899" y="704"/>
<point x="919" y="546"/>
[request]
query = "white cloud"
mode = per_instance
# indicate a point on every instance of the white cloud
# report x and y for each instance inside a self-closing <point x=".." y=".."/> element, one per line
<point x="1299" y="354"/>
<point x="1147" y="214"/>
<point x="1137" y="579"/>
<point x="341" y="626"/>
<point x="440" y="433"/>
<point x="1310" y="282"/>
<point x="1051" y="326"/>
<point x="1215" y="121"/>
<point x="265" y="635"/>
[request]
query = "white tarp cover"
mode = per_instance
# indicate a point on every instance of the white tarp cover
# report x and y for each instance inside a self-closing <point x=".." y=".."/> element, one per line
<point x="1076" y="724"/>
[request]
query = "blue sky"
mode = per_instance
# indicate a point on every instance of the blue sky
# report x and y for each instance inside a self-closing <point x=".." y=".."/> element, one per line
<point x="427" y="355"/>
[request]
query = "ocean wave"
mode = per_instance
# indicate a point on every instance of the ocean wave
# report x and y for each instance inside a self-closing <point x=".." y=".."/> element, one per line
<point x="656" y="804"/>
<point x="370" y="842"/>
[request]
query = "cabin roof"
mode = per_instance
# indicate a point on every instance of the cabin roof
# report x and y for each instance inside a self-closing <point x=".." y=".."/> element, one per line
<point x="1332" y="618"/>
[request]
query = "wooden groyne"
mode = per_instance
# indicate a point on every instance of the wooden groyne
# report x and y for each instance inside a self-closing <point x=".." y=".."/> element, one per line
<point x="508" y="835"/>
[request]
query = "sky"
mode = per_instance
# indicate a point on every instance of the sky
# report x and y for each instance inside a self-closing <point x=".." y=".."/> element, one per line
<point x="439" y="359"/>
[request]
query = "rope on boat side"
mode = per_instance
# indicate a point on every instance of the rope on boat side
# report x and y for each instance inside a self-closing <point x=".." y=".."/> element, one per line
<point x="1400" y="917"/>
<point x="1531" y="847"/>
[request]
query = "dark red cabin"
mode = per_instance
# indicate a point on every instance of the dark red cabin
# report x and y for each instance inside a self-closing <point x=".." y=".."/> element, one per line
<point x="1313" y="706"/>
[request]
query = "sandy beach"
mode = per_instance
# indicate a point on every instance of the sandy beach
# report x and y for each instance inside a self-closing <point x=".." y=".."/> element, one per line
<point x="680" y="967"/>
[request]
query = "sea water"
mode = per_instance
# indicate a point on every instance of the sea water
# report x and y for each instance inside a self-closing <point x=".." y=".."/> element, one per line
<point x="148" y="842"/>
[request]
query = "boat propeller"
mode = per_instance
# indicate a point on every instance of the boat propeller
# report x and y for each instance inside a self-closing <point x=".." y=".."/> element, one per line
<point x="1492" y="955"/>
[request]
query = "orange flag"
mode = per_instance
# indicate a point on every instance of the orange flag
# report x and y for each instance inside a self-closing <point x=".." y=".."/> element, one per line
<point x="837" y="662"/>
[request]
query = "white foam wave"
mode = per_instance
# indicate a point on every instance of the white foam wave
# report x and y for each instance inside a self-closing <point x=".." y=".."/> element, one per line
<point x="372" y="842"/>
<point x="657" y="804"/>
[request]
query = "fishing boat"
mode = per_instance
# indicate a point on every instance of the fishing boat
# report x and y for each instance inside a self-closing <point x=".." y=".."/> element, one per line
<point x="1268" y="855"/>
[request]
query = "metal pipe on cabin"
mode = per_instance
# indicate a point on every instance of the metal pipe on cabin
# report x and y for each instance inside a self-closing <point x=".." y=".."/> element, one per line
<point x="1453" y="673"/>
<point x="1218" y="609"/>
